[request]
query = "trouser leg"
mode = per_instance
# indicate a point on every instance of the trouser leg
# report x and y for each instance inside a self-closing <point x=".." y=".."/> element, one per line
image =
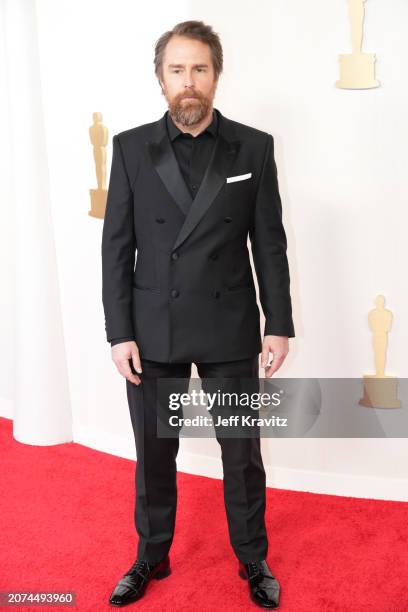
<point x="156" y="470"/>
<point x="244" y="474"/>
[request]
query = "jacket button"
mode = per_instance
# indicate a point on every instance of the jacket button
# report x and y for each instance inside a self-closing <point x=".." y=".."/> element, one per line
<point x="174" y="255"/>
<point x="174" y="293"/>
<point x="214" y="256"/>
<point x="160" y="220"/>
<point x="216" y="294"/>
<point x="227" y="219"/>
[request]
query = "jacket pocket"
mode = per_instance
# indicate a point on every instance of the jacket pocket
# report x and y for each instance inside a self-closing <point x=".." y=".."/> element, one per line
<point x="240" y="287"/>
<point x="144" y="288"/>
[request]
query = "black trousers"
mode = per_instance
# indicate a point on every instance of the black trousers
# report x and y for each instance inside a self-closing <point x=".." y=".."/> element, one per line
<point x="156" y="488"/>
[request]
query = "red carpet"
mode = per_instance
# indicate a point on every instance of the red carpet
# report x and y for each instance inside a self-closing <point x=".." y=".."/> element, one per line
<point x="67" y="525"/>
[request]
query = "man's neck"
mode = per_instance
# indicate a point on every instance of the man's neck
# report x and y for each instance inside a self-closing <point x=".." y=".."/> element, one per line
<point x="194" y="130"/>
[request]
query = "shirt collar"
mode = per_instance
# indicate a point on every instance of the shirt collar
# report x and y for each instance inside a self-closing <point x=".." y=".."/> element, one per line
<point x="174" y="131"/>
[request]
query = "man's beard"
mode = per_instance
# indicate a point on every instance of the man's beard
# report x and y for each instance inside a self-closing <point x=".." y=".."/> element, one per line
<point x="189" y="112"/>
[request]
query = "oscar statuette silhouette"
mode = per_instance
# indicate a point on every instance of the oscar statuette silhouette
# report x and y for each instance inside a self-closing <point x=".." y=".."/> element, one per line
<point x="357" y="69"/>
<point x="98" y="134"/>
<point x="380" y="390"/>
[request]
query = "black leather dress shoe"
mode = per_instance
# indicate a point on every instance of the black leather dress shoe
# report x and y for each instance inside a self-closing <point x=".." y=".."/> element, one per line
<point x="133" y="584"/>
<point x="263" y="586"/>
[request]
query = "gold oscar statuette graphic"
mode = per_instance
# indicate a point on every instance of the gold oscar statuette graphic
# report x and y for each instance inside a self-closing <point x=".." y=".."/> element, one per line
<point x="357" y="69"/>
<point x="98" y="134"/>
<point x="380" y="390"/>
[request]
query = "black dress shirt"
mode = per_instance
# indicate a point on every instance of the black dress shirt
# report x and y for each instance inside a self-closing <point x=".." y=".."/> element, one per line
<point x="193" y="154"/>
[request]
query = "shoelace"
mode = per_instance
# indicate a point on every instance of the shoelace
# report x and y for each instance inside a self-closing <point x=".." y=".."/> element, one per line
<point x="140" y="567"/>
<point x="253" y="567"/>
<point x="255" y="570"/>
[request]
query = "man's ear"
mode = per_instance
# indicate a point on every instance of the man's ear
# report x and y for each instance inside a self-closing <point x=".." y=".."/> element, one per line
<point x="161" y="85"/>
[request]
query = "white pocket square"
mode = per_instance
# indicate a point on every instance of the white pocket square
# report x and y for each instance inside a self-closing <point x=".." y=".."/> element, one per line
<point x="240" y="177"/>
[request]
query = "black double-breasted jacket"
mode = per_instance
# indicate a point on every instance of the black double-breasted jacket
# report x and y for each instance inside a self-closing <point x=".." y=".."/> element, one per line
<point x="176" y="272"/>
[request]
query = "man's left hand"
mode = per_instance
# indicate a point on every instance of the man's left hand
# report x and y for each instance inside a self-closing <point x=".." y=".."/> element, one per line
<point x="279" y="347"/>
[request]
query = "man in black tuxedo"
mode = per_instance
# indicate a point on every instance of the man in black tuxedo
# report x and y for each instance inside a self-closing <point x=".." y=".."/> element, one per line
<point x="184" y="194"/>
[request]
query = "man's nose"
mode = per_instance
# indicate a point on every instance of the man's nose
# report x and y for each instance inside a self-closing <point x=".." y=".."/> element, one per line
<point x="188" y="80"/>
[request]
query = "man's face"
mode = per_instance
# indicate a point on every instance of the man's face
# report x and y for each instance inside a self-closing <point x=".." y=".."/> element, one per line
<point x="188" y="80"/>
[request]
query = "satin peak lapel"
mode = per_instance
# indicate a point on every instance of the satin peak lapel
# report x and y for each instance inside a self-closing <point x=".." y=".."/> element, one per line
<point x="165" y="162"/>
<point x="222" y="159"/>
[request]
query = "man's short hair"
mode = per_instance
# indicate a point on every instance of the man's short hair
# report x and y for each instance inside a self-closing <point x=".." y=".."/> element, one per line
<point x="197" y="30"/>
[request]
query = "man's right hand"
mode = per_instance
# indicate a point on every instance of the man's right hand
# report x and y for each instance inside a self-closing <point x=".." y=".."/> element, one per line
<point x="121" y="354"/>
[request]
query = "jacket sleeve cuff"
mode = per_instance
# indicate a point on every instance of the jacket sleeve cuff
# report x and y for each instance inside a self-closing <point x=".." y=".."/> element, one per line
<point x="118" y="340"/>
<point x="276" y="329"/>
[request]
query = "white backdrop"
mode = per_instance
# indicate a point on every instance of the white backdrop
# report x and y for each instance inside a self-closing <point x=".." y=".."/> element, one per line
<point x="341" y="157"/>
